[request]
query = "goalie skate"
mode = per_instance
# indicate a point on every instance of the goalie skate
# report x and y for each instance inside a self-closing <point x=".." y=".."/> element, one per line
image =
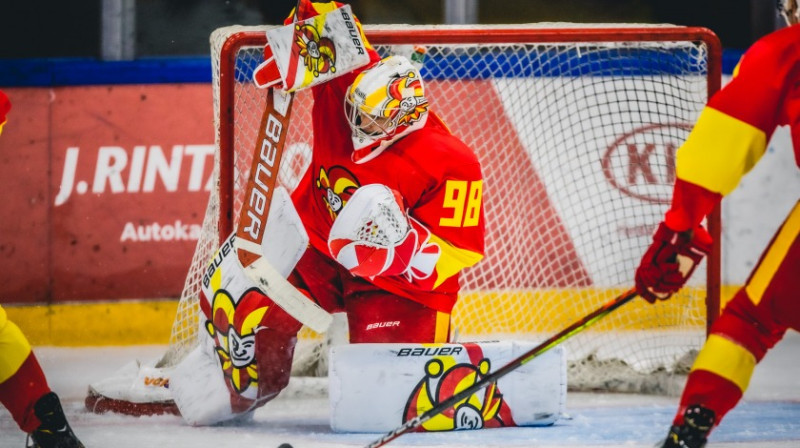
<point x="135" y="389"/>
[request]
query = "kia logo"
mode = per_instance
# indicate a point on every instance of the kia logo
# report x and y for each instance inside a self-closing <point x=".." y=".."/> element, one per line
<point x="641" y="163"/>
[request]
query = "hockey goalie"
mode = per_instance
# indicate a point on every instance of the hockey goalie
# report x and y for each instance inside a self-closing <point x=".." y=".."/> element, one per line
<point x="385" y="218"/>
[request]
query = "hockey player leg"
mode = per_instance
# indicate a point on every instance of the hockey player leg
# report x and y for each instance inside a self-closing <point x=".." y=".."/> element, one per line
<point x="722" y="371"/>
<point x="751" y="324"/>
<point x="26" y="395"/>
<point x="22" y="381"/>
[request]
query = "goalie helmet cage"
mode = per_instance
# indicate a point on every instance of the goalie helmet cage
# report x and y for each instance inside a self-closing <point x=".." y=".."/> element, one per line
<point x="576" y="128"/>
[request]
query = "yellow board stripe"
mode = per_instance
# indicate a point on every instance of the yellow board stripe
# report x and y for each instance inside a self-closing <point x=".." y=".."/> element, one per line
<point x="476" y="313"/>
<point x="727" y="359"/>
<point x="775" y="254"/>
<point x="108" y="323"/>
<point x="551" y="310"/>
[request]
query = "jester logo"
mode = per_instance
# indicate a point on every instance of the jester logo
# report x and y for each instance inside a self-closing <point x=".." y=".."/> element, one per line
<point x="232" y="326"/>
<point x="483" y="409"/>
<point x="318" y="53"/>
<point x="406" y="109"/>
<point x="337" y="185"/>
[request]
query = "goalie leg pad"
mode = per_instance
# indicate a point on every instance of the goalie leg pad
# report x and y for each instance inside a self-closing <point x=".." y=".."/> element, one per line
<point x="198" y="388"/>
<point x="245" y="363"/>
<point x="410" y="379"/>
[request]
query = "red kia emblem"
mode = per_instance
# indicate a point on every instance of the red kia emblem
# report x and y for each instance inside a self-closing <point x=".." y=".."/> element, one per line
<point x="641" y="163"/>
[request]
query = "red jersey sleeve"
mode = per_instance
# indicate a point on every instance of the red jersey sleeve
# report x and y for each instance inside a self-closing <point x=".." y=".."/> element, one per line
<point x="733" y="130"/>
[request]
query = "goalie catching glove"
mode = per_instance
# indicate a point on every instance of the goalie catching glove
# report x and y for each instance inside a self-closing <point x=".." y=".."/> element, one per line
<point x="670" y="260"/>
<point x="373" y="235"/>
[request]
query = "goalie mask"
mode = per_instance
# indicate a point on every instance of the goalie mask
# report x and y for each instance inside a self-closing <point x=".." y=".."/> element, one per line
<point x="789" y="10"/>
<point x="384" y="103"/>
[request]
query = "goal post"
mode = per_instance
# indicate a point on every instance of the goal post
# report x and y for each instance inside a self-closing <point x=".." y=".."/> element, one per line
<point x="576" y="128"/>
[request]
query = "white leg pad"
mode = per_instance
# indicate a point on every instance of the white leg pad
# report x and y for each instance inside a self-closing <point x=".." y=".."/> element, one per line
<point x="376" y="387"/>
<point x="199" y="389"/>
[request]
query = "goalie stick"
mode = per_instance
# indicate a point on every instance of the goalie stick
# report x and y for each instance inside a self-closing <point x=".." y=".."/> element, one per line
<point x="261" y="184"/>
<point x="553" y="341"/>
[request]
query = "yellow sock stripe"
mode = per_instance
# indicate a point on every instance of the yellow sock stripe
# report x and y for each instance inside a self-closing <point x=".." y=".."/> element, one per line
<point x="477" y="315"/>
<point x="776" y="252"/>
<point x="727" y="359"/>
<point x="442" y="327"/>
<point x="13" y="347"/>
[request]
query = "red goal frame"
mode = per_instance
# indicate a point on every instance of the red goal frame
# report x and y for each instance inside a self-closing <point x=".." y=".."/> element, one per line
<point x="510" y="35"/>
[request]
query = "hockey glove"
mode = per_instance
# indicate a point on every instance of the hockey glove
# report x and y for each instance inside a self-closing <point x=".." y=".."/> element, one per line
<point x="373" y="235"/>
<point x="670" y="261"/>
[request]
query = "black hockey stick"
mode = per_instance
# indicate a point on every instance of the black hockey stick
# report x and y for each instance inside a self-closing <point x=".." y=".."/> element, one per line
<point x="558" y="338"/>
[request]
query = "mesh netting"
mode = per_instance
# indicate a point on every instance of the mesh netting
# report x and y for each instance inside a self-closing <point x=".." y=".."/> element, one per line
<point x="577" y="143"/>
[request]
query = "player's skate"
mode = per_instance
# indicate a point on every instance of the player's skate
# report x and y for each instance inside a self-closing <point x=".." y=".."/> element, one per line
<point x="54" y="432"/>
<point x="697" y="423"/>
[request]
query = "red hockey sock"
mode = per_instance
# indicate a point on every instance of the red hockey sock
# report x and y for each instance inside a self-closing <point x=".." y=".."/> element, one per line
<point x="710" y="391"/>
<point x="739" y="339"/>
<point x="22" y="390"/>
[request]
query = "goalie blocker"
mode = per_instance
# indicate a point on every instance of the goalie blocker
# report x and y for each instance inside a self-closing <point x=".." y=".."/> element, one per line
<point x="376" y="387"/>
<point x="312" y="51"/>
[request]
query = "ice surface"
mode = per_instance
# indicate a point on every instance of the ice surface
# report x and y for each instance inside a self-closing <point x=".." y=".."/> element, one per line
<point x="768" y="417"/>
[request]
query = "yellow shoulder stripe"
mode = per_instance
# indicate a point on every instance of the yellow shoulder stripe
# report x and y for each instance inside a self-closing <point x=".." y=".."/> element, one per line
<point x="719" y="151"/>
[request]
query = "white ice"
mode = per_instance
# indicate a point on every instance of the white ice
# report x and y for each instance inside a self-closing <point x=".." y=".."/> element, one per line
<point x="769" y="415"/>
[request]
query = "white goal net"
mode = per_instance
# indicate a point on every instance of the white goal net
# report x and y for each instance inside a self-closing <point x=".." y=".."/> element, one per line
<point x="576" y="129"/>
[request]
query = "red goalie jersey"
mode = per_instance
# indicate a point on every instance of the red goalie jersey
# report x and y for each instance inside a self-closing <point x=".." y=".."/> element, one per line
<point x="438" y="179"/>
